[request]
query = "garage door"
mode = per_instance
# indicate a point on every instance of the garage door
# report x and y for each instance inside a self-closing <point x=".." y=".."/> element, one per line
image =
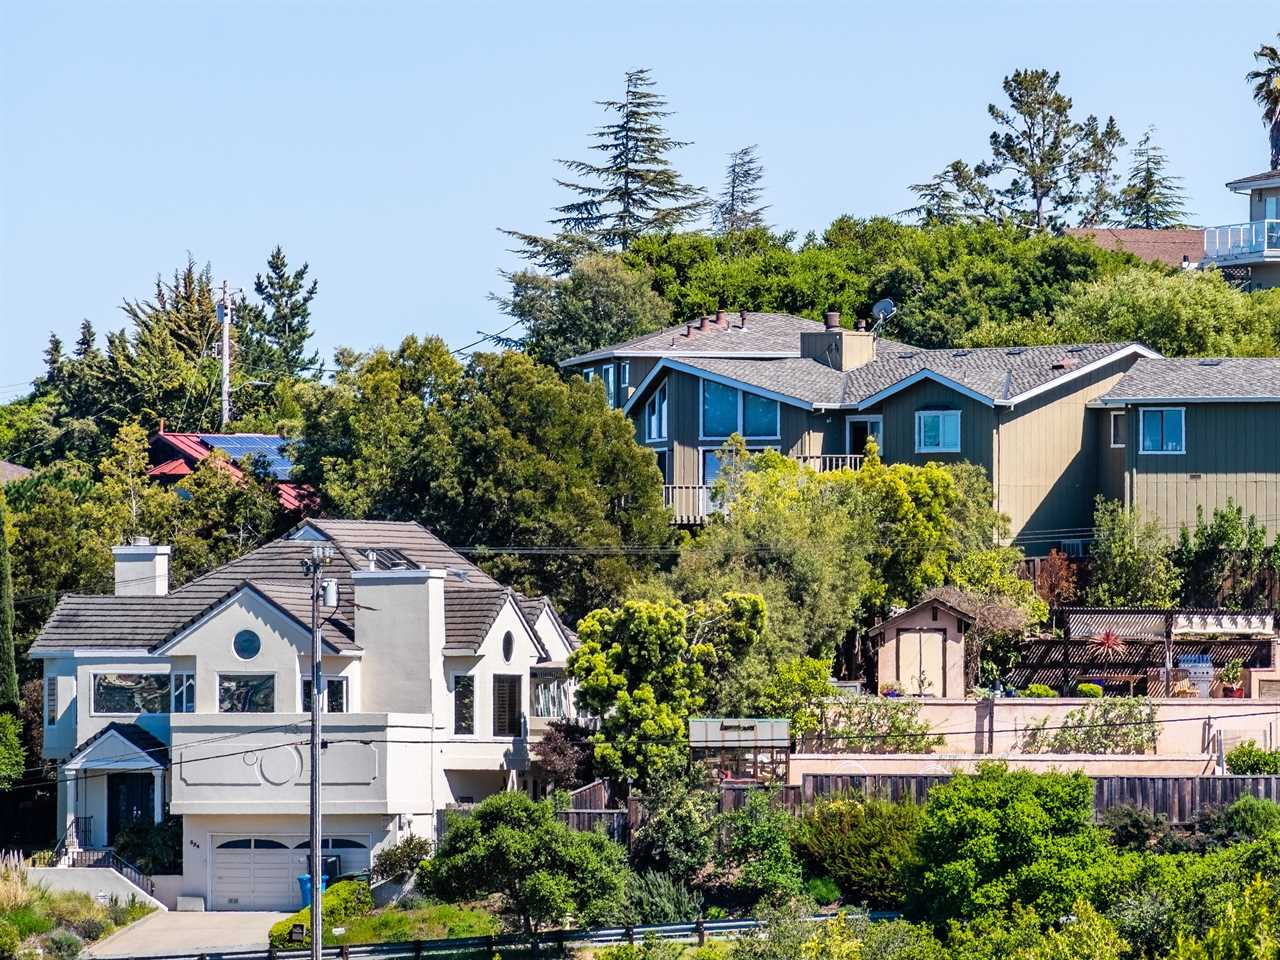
<point x="261" y="873"/>
<point x="257" y="873"/>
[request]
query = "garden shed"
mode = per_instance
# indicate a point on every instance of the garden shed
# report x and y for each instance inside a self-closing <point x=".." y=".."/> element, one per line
<point x="921" y="650"/>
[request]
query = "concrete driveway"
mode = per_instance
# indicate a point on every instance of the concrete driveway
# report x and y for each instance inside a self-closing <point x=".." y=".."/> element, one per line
<point x="160" y="934"/>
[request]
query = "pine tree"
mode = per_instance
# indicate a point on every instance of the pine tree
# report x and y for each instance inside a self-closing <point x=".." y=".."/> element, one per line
<point x="634" y="191"/>
<point x="8" y="656"/>
<point x="1151" y="198"/>
<point x="954" y="195"/>
<point x="737" y="208"/>
<point x="53" y="360"/>
<point x="273" y="335"/>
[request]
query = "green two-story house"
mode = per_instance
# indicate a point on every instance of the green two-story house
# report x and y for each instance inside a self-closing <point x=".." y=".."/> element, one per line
<point x="1048" y="423"/>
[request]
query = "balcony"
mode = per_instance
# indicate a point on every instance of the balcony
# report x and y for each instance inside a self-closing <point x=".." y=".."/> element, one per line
<point x="1243" y="242"/>
<point x="691" y="504"/>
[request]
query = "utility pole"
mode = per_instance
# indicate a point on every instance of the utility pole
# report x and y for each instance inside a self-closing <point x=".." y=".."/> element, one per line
<point x="224" y="314"/>
<point x="314" y="567"/>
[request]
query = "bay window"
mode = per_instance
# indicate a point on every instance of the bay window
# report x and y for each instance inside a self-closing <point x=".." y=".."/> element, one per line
<point x="937" y="431"/>
<point x="183" y="693"/>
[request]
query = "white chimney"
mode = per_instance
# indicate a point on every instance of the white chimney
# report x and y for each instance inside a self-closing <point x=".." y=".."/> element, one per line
<point x="399" y="616"/>
<point x="142" y="569"/>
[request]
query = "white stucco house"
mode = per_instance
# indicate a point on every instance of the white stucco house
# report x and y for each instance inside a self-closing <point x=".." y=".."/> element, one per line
<point x="194" y="701"/>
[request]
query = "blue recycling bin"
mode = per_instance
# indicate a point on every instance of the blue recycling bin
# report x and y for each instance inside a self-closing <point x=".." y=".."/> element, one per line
<point x="304" y="882"/>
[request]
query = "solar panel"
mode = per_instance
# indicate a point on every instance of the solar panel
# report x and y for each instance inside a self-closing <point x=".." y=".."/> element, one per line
<point x="240" y="445"/>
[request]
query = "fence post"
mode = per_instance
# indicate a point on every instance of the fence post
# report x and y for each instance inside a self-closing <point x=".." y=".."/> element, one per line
<point x="533" y="943"/>
<point x="344" y="952"/>
<point x="417" y="948"/>
<point x="701" y="930"/>
<point x="631" y="934"/>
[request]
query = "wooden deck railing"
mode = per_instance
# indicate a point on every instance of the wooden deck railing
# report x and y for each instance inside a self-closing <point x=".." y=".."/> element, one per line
<point x="691" y="503"/>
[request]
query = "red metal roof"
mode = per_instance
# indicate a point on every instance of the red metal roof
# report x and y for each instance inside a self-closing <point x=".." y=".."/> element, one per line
<point x="191" y="450"/>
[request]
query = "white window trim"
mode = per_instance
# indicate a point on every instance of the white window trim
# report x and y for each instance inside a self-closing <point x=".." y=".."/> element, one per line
<point x="876" y="418"/>
<point x="1112" y="425"/>
<point x="173" y="690"/>
<point x="608" y="376"/>
<point x="588" y="374"/>
<point x="93" y="684"/>
<point x="326" y="678"/>
<point x="653" y="401"/>
<point x="777" y="414"/>
<point x="217" y="689"/>
<point x="453" y="705"/>
<point x="624" y="373"/>
<point x="928" y="413"/>
<point x="1142" y="412"/>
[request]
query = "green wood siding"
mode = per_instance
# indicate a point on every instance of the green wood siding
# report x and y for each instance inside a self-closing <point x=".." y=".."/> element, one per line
<point x="1233" y="451"/>
<point x="899" y="411"/>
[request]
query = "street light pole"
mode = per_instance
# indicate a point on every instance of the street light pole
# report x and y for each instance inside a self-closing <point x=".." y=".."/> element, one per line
<point x="320" y="557"/>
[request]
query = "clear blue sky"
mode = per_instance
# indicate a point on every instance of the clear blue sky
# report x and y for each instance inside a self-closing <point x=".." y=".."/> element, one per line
<point x="385" y="143"/>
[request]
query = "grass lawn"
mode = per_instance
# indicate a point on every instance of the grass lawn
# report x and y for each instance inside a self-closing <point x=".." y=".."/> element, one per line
<point x="436" y="921"/>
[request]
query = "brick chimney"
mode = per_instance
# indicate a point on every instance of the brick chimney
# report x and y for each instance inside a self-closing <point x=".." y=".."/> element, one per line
<point x="141" y="568"/>
<point x="837" y="347"/>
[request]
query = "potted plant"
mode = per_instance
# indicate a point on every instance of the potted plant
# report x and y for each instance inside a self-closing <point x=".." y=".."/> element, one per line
<point x="1231" y="675"/>
<point x="891" y="689"/>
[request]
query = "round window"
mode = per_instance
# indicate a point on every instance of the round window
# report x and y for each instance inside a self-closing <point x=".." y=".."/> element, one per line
<point x="247" y="644"/>
<point x="508" y="646"/>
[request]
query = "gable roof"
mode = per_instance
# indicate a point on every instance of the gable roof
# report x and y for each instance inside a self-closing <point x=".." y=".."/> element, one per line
<point x="1190" y="380"/>
<point x="955" y="600"/>
<point x="146" y="745"/>
<point x="191" y="448"/>
<point x="767" y="334"/>
<point x="996" y="376"/>
<point x="1270" y="178"/>
<point x="1168" y="246"/>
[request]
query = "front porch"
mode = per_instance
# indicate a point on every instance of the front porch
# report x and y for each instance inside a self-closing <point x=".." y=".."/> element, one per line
<point x="113" y="780"/>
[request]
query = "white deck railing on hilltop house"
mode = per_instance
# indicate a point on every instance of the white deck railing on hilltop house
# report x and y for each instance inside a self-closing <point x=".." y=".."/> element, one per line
<point x="691" y="503"/>
<point x="1258" y="238"/>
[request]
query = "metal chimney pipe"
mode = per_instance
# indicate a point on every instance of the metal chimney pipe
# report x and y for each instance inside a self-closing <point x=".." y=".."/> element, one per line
<point x="832" y="319"/>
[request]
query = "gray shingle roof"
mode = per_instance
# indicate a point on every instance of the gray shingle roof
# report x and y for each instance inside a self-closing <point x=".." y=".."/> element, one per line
<point x="998" y="373"/>
<point x="275" y="570"/>
<point x="1234" y="378"/>
<point x="1254" y="178"/>
<point x="145" y="742"/>
<point x="776" y="333"/>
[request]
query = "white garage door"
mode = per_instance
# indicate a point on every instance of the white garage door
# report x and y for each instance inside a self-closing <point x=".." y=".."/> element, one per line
<point x="261" y="873"/>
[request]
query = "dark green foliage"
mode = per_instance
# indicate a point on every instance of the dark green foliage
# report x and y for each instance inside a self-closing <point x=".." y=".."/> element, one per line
<point x="822" y="890"/>
<point x="1249" y="758"/>
<point x="654" y="897"/>
<point x="274" y="333"/>
<point x="8" y="654"/>
<point x="516" y="847"/>
<point x="738" y="208"/>
<point x="1151" y="199"/>
<point x="152" y="847"/>
<point x="754" y="852"/>
<point x="63" y="945"/>
<point x="865" y="844"/>
<point x="343" y="902"/>
<point x="401" y="859"/>
<point x="1133" y="828"/>
<point x="1224" y="560"/>
<point x="675" y="836"/>
<point x="1249" y="818"/>
<point x="1266" y="93"/>
<point x="1131" y="563"/>
<point x="12" y="753"/>
<point x="1002" y="837"/>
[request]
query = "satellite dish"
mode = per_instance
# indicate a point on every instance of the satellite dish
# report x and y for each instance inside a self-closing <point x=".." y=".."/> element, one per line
<point x="883" y="310"/>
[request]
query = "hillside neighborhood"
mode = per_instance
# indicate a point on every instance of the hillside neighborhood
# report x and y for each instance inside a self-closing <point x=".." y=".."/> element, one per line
<point x="904" y="590"/>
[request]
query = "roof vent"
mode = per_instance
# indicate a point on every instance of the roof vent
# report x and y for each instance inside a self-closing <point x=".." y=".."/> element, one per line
<point x="742" y="319"/>
<point x="907" y="355"/>
<point x="1015" y="351"/>
<point x="1062" y="364"/>
<point x="1211" y="362"/>
<point x="962" y="353"/>
<point x="1076" y="349"/>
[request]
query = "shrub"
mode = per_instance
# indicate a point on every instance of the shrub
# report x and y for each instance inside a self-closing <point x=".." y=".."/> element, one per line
<point x="651" y="949"/>
<point x="1090" y="690"/>
<point x="344" y="901"/>
<point x="1039" y="690"/>
<point x="754" y="851"/>
<point x="864" y="844"/>
<point x="1134" y="828"/>
<point x="1112" y="725"/>
<point x="881" y="725"/>
<point x="675" y="838"/>
<point x="63" y="945"/>
<point x="401" y="859"/>
<point x="822" y="890"/>
<point x="1249" y="758"/>
<point x="660" y="898"/>
<point x="10" y="941"/>
<point x="1249" y="818"/>
<point x="152" y="847"/>
<point x="78" y="912"/>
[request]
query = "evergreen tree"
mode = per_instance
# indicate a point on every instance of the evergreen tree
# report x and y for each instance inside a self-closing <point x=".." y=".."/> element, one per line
<point x="954" y="195"/>
<point x="273" y="335"/>
<point x="635" y="190"/>
<point x="1100" y="198"/>
<point x="1151" y="198"/>
<point x="53" y="360"/>
<point x="8" y="657"/>
<point x="737" y="208"/>
<point x="1266" y="93"/>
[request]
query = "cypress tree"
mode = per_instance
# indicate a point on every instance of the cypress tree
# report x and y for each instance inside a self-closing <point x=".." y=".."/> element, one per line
<point x="1151" y="198"/>
<point x="8" y="656"/>
<point x="273" y="335"/>
<point x="737" y="207"/>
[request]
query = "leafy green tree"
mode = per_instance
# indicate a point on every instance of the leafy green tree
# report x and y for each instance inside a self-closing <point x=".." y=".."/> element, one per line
<point x="1246" y="931"/>
<point x="644" y="668"/>
<point x="274" y="333"/>
<point x="1152" y="198"/>
<point x="738" y="207"/>
<point x="1001" y="837"/>
<point x="1188" y="313"/>
<point x="798" y="689"/>
<point x="1084" y="935"/>
<point x="599" y="303"/>
<point x="754" y="852"/>
<point x="12" y="755"/>
<point x="8" y="655"/>
<point x="503" y="453"/>
<point x="675" y="837"/>
<point x="633" y="191"/>
<point x="545" y="871"/>
<point x="1266" y="93"/>
<point x="1131" y="563"/>
<point x="1226" y="551"/>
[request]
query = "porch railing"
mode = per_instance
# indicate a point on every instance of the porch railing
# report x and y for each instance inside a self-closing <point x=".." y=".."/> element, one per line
<point x="1255" y="238"/>
<point x="108" y="859"/>
<point x="691" y="503"/>
<point x="831" y="461"/>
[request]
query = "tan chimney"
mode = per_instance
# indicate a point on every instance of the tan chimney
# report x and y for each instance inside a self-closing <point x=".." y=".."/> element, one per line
<point x="141" y="568"/>
<point x="838" y="348"/>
